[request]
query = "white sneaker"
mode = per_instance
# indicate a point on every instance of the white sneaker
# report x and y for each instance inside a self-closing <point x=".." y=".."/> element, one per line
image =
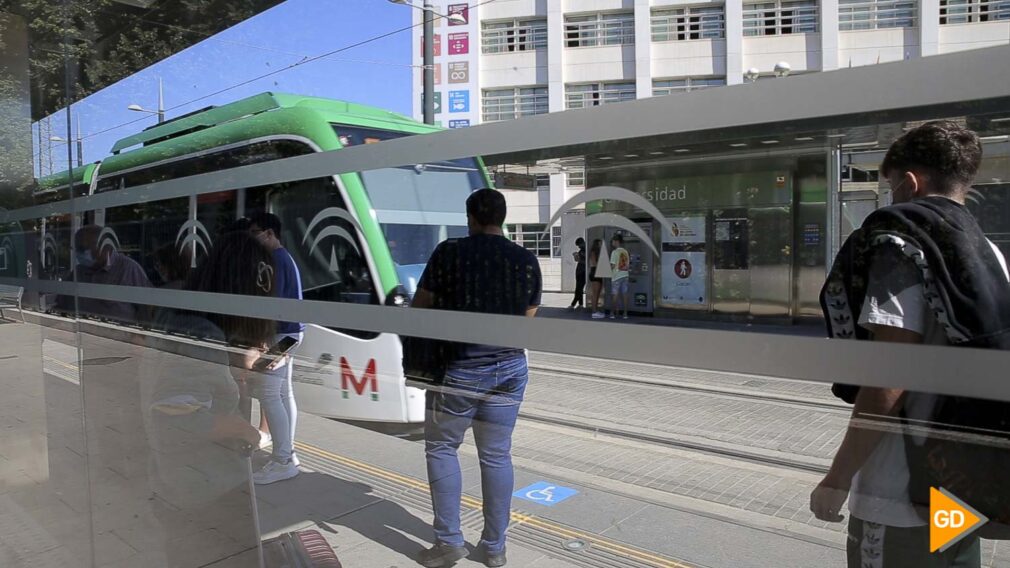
<point x="273" y="472"/>
<point x="625" y="316"/>
<point x="597" y="315"/>
<point x="612" y="316"/>
<point x="266" y="440"/>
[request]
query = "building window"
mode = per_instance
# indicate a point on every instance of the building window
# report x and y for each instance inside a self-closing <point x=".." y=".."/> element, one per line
<point x="532" y="237"/>
<point x="506" y="104"/>
<point x="513" y="35"/>
<point x="781" y="17"/>
<point x="670" y="86"/>
<point x="600" y="29"/>
<point x="577" y="178"/>
<point x="595" y="94"/>
<point x="876" y="14"/>
<point x="973" y="11"/>
<point x="692" y="22"/>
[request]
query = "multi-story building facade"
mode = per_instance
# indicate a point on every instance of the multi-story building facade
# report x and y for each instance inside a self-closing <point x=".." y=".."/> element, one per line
<point x="516" y="58"/>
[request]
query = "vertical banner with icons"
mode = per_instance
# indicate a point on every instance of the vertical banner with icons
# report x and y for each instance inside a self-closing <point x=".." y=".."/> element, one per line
<point x="684" y="275"/>
<point x="457" y="51"/>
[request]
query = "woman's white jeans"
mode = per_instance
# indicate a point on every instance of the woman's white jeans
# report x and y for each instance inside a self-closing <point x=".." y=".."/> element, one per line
<point x="277" y="402"/>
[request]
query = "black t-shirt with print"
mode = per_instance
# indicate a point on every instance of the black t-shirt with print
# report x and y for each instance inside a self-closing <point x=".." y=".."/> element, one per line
<point x="487" y="274"/>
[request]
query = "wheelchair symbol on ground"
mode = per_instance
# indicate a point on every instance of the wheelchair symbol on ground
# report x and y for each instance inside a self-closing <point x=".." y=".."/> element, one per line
<point x="545" y="493"/>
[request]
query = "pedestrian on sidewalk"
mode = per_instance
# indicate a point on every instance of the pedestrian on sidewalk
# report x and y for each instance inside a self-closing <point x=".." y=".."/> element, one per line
<point x="580" y="273"/>
<point x="620" y="263"/>
<point x="99" y="262"/>
<point x="484" y="384"/>
<point x="273" y="388"/>
<point x="595" y="282"/>
<point x="919" y="271"/>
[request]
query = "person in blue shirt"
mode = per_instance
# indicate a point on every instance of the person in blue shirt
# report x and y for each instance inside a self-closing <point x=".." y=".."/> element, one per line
<point x="273" y="388"/>
<point x="484" y="384"/>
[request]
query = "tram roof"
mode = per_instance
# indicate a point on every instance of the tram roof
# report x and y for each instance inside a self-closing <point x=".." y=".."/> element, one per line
<point x="332" y="110"/>
<point x="66" y="177"/>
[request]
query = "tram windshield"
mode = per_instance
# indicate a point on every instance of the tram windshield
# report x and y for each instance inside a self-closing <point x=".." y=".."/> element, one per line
<point x="417" y="206"/>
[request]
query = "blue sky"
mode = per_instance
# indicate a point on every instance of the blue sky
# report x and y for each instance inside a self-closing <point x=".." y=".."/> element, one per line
<point x="377" y="73"/>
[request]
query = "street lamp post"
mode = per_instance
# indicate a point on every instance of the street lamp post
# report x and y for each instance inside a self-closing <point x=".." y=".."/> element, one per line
<point x="428" y="100"/>
<point x="161" y="105"/>
<point x="80" y="143"/>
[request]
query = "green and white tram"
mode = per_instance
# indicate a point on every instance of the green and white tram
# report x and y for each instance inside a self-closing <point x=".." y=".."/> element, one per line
<point x="356" y="237"/>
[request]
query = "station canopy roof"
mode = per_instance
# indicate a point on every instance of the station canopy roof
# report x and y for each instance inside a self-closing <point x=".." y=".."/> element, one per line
<point x="860" y="108"/>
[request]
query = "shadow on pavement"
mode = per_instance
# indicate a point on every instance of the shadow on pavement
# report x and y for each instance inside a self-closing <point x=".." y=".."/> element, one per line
<point x="329" y="501"/>
<point x="411" y="432"/>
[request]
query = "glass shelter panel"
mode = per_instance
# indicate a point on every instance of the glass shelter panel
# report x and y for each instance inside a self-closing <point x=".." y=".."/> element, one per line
<point x="274" y="330"/>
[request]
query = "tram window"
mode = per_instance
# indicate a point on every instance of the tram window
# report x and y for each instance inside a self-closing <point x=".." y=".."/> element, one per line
<point x="357" y="135"/>
<point x="56" y="258"/>
<point x="60" y="194"/>
<point x="143" y="229"/>
<point x="332" y="261"/>
<point x="226" y="159"/>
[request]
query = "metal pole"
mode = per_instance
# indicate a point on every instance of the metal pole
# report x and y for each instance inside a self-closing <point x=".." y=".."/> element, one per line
<point x="39" y="123"/>
<point x="429" y="63"/>
<point x="80" y="144"/>
<point x="834" y="204"/>
<point x="161" y="103"/>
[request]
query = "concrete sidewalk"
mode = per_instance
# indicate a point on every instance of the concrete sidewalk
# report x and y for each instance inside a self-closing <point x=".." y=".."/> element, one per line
<point x="391" y="522"/>
<point x="366" y="493"/>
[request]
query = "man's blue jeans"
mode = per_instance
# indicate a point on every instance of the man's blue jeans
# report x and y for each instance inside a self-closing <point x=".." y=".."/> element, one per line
<point x="487" y="398"/>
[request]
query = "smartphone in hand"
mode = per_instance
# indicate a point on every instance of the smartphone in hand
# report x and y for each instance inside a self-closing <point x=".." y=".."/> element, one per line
<point x="275" y="355"/>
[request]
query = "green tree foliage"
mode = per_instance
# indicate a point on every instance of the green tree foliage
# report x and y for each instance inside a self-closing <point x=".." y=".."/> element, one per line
<point x="78" y="47"/>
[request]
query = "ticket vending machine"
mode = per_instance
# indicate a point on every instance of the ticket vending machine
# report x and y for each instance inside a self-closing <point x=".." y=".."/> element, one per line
<point x="643" y="265"/>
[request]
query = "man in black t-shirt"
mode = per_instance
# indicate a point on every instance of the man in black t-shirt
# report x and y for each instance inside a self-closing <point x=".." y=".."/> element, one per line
<point x="487" y="273"/>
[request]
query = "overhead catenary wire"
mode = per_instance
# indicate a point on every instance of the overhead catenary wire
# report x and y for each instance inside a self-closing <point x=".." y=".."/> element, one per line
<point x="315" y="58"/>
<point x="278" y="71"/>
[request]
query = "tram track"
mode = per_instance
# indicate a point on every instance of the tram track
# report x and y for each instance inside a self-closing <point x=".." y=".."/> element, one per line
<point x="732" y="451"/>
<point x="823" y="404"/>
<point x="556" y="415"/>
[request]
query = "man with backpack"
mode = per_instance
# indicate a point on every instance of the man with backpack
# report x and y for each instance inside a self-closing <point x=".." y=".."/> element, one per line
<point x="920" y="271"/>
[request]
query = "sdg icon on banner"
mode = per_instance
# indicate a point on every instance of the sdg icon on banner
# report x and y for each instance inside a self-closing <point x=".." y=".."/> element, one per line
<point x="438" y="102"/>
<point x="459" y="101"/>
<point x="459" y="72"/>
<point x="462" y="10"/>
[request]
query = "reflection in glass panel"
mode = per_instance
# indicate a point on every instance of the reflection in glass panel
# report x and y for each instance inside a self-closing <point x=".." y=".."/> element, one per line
<point x="132" y="440"/>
